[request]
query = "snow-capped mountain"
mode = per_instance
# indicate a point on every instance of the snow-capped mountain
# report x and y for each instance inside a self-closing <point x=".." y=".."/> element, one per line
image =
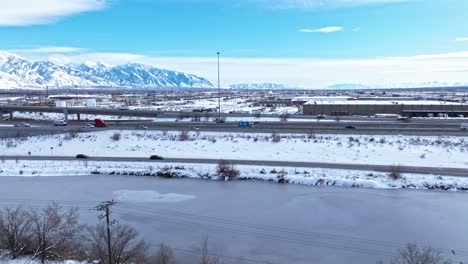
<point x="397" y="85"/>
<point x="143" y="75"/>
<point x="347" y="86"/>
<point x="258" y="86"/>
<point x="17" y="72"/>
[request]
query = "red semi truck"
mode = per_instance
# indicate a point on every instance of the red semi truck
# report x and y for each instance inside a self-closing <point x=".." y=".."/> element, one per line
<point x="99" y="123"/>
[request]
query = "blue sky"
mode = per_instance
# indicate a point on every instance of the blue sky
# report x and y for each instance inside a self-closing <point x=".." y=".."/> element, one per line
<point x="297" y="42"/>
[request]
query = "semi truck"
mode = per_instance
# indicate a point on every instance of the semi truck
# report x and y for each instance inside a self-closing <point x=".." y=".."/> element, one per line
<point x="245" y="124"/>
<point x="98" y="122"/>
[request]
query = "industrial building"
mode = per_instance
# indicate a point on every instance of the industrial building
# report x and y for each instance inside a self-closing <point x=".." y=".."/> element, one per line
<point x="371" y="108"/>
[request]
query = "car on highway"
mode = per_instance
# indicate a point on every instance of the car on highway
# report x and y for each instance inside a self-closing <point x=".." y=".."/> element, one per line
<point x="464" y="126"/>
<point x="320" y="117"/>
<point x="350" y="127"/>
<point x="156" y="157"/>
<point x="142" y="127"/>
<point x="22" y="124"/>
<point x="82" y="156"/>
<point x="60" y="123"/>
<point x="88" y="126"/>
<point x="220" y="120"/>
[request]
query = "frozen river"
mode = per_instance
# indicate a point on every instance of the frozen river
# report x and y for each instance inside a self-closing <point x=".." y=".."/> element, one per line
<point x="262" y="222"/>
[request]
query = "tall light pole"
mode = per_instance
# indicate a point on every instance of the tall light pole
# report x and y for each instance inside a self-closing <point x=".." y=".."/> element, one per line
<point x="219" y="93"/>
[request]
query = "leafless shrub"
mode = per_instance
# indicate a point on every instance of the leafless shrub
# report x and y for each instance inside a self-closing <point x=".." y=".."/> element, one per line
<point x="165" y="255"/>
<point x="10" y="144"/>
<point x="227" y="170"/>
<point x="275" y="137"/>
<point x="184" y="136"/>
<point x="125" y="245"/>
<point x="15" y="230"/>
<point x="71" y="135"/>
<point x="395" y="172"/>
<point x="53" y="231"/>
<point x="205" y="257"/>
<point x="412" y="254"/>
<point x="116" y="136"/>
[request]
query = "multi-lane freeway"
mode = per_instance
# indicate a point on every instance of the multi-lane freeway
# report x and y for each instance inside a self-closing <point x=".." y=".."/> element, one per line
<point x="388" y="127"/>
<point x="462" y="172"/>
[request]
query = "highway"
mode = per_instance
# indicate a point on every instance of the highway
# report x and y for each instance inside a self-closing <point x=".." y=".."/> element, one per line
<point x="459" y="172"/>
<point x="360" y="127"/>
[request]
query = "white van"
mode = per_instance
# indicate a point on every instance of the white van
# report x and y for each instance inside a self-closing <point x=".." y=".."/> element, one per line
<point x="60" y="123"/>
<point x="464" y="126"/>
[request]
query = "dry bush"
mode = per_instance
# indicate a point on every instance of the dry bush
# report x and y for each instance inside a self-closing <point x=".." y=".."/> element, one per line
<point x="125" y="244"/>
<point x="395" y="172"/>
<point x="412" y="254"/>
<point x="275" y="137"/>
<point x="53" y="232"/>
<point x="227" y="170"/>
<point x="116" y="136"/>
<point x="165" y="255"/>
<point x="15" y="230"/>
<point x="184" y="136"/>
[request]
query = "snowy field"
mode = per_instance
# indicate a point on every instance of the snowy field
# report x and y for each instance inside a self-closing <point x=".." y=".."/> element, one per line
<point x="59" y="116"/>
<point x="431" y="151"/>
<point x="303" y="176"/>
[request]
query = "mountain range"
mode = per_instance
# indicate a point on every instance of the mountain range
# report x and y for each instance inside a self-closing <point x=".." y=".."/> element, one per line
<point x="17" y="72"/>
<point x="258" y="86"/>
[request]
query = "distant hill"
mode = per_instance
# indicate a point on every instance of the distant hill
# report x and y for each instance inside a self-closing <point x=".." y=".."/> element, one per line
<point x="347" y="86"/>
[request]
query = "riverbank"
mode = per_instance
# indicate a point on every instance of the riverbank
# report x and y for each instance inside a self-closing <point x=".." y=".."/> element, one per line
<point x="302" y="176"/>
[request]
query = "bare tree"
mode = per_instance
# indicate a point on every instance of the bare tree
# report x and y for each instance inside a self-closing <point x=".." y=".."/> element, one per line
<point x="184" y="135"/>
<point x="227" y="169"/>
<point x="412" y="254"/>
<point x="116" y="136"/>
<point x="275" y="137"/>
<point x="15" y="228"/>
<point x="165" y="255"/>
<point x="395" y="172"/>
<point x="125" y="246"/>
<point x="205" y="257"/>
<point x="53" y="231"/>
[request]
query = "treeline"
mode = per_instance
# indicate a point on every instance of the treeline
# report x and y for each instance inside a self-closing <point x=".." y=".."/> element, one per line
<point x="53" y="233"/>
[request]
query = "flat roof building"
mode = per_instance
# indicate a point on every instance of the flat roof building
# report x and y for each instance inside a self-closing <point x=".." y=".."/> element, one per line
<point x="370" y="108"/>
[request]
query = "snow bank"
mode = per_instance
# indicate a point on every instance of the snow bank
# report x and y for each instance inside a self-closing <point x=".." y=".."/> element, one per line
<point x="305" y="176"/>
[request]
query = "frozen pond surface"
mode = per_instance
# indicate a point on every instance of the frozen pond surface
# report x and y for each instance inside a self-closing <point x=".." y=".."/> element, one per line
<point x="266" y="222"/>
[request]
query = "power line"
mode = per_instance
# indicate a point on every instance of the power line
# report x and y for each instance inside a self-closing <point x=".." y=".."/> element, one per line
<point x="150" y="215"/>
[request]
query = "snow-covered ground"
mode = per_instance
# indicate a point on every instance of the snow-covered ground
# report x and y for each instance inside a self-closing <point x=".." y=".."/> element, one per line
<point x="431" y="151"/>
<point x="59" y="116"/>
<point x="304" y="176"/>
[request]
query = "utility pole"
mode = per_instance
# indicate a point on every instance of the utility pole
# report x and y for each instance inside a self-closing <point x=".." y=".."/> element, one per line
<point x="219" y="93"/>
<point x="76" y="94"/>
<point x="105" y="207"/>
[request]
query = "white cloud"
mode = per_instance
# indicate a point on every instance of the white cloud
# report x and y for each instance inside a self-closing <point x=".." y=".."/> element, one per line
<point x="301" y="72"/>
<point x="50" y="49"/>
<point x="30" y="12"/>
<point x="323" y="30"/>
<point x="314" y="4"/>
<point x="461" y="39"/>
